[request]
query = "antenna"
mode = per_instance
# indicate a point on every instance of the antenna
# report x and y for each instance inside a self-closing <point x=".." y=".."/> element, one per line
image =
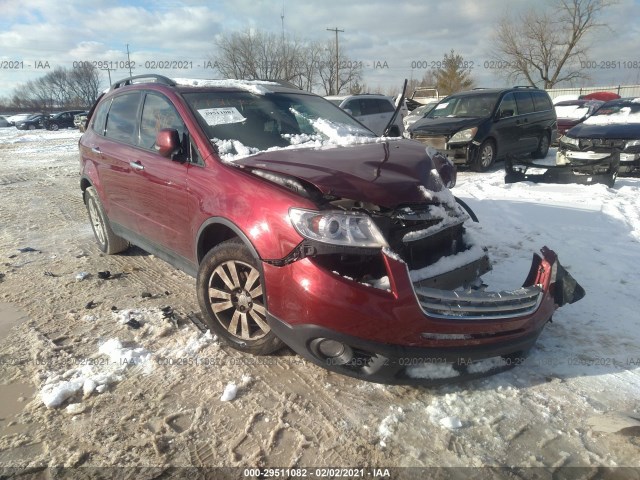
<point x="282" y="18"/>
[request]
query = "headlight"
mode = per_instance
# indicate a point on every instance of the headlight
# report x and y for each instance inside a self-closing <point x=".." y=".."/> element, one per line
<point x="569" y="141"/>
<point x="337" y="228"/>
<point x="464" y="135"/>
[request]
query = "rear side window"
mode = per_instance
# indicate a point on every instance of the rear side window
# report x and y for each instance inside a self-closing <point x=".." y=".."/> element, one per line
<point x="100" y="117"/>
<point x="122" y="118"/>
<point x="354" y="106"/>
<point x="385" y="106"/>
<point x="541" y="101"/>
<point x="524" y="102"/>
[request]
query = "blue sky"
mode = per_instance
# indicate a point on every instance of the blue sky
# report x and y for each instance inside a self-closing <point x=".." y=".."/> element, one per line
<point x="376" y="33"/>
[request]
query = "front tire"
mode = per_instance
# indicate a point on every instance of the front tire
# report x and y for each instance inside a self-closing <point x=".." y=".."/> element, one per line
<point x="54" y="127"/>
<point x="486" y="156"/>
<point x="232" y="298"/>
<point x="108" y="241"/>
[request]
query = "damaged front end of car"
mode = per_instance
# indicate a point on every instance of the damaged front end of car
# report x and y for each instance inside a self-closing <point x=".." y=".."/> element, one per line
<point x="583" y="161"/>
<point x="394" y="294"/>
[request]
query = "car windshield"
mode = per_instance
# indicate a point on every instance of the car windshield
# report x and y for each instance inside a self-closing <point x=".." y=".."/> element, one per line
<point x="616" y="113"/>
<point x="480" y="105"/>
<point x="242" y="123"/>
<point x="420" y="111"/>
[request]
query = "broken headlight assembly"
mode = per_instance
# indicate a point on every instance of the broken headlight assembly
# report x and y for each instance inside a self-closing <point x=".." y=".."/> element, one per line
<point x="337" y="227"/>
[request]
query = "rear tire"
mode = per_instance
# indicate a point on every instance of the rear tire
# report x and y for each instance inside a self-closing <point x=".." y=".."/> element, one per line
<point x="108" y="241"/>
<point x="232" y="298"/>
<point x="543" y="147"/>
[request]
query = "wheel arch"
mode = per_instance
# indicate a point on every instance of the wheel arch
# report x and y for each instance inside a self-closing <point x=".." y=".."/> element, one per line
<point x="216" y="230"/>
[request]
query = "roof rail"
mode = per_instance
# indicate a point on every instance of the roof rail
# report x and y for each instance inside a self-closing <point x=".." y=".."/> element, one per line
<point x="525" y="86"/>
<point x="479" y="88"/>
<point x="151" y="76"/>
<point x="282" y="83"/>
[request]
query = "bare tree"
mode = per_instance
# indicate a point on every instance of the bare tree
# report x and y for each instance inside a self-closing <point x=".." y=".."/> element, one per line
<point x="454" y="74"/>
<point x="348" y="72"/>
<point x="258" y="55"/>
<point x="84" y="82"/>
<point x="546" y="48"/>
<point x="60" y="88"/>
<point x="427" y="80"/>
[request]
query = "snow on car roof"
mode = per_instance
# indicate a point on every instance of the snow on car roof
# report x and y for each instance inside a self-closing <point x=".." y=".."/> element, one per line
<point x="622" y="117"/>
<point x="258" y="87"/>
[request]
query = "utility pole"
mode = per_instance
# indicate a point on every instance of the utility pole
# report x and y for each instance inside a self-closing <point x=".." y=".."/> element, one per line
<point x="109" y="72"/>
<point x="129" y="61"/>
<point x="337" y="58"/>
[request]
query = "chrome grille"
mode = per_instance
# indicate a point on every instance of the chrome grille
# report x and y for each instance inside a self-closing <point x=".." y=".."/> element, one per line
<point x="478" y="305"/>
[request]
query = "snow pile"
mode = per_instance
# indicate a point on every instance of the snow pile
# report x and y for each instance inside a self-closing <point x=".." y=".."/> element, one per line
<point x="230" y="150"/>
<point x="96" y="375"/>
<point x="192" y="344"/>
<point x="444" y="410"/>
<point x="231" y="390"/>
<point x="258" y="87"/>
<point x="389" y="424"/>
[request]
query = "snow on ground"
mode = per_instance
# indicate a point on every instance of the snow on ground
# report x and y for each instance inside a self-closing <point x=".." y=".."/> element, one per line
<point x="285" y="411"/>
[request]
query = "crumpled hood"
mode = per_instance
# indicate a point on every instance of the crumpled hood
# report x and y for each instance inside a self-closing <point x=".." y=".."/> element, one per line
<point x="387" y="174"/>
<point x="444" y="125"/>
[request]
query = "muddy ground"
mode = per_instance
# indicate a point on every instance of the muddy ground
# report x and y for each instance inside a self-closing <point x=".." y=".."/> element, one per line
<point x="167" y="412"/>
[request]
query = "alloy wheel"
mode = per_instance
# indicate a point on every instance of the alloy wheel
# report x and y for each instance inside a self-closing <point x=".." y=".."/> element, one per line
<point x="236" y="298"/>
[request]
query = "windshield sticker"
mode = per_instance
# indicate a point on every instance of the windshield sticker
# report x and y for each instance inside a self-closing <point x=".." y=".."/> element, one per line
<point x="221" y="116"/>
<point x="441" y="106"/>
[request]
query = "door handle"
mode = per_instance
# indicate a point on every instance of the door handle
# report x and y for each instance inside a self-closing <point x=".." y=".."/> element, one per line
<point x="136" y="166"/>
<point x="96" y="150"/>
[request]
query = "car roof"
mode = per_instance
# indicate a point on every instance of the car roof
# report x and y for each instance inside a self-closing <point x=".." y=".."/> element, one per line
<point x="260" y="87"/>
<point x="480" y="91"/>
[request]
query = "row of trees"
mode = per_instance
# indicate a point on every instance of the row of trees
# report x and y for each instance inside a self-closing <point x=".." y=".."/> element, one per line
<point x="60" y="88"/>
<point x="311" y="66"/>
<point x="542" y="48"/>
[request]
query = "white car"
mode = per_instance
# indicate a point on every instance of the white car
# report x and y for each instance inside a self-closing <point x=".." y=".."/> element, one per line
<point x="418" y="113"/>
<point x="373" y="111"/>
<point x="20" y="117"/>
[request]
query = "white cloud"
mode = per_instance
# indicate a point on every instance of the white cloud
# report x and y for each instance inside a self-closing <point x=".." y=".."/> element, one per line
<point x="375" y="32"/>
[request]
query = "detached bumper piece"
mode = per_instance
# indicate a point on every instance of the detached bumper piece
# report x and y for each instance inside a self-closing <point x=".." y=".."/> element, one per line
<point x="581" y="171"/>
<point x="460" y="334"/>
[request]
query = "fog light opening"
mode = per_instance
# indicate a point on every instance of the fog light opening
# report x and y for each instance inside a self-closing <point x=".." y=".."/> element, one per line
<point x="333" y="351"/>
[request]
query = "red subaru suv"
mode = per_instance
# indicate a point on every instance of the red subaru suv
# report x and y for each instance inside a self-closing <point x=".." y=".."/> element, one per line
<point x="304" y="228"/>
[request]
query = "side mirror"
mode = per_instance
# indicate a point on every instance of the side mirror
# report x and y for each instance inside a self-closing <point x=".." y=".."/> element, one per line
<point x="167" y="142"/>
<point x="349" y="111"/>
<point x="506" y="113"/>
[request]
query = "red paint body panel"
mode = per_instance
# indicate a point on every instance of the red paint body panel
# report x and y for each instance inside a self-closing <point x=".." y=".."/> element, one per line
<point x="301" y="293"/>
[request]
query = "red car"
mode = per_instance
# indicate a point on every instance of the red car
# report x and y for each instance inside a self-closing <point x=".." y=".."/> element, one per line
<point x="572" y="112"/>
<point x="303" y="228"/>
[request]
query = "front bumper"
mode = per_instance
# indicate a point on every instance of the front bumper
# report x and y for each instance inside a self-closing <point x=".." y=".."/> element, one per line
<point x="458" y="153"/>
<point x="571" y="167"/>
<point x="412" y="334"/>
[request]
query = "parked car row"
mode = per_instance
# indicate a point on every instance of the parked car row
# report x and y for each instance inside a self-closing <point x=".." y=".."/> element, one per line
<point x="28" y="121"/>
